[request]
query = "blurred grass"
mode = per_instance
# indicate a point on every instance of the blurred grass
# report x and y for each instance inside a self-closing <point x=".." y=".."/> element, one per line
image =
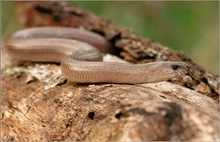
<point x="191" y="27"/>
<point x="9" y="20"/>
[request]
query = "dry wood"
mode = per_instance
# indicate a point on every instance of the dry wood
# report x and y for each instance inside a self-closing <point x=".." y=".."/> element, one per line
<point x="39" y="104"/>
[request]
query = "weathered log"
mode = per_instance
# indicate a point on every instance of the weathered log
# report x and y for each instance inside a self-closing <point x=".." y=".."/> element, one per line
<point x="39" y="104"/>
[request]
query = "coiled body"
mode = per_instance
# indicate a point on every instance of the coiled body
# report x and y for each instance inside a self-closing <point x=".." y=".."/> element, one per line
<point x="81" y="61"/>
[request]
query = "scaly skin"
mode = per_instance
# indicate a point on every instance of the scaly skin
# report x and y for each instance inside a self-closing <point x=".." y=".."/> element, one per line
<point x="81" y="61"/>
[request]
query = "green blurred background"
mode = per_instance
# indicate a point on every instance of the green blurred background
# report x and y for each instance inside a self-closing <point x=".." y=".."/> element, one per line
<point x="191" y="27"/>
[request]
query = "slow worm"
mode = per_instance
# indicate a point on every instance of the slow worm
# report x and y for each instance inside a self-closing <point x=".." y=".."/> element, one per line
<point x="80" y="61"/>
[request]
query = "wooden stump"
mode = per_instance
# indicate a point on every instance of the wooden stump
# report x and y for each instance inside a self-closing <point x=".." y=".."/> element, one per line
<point x="39" y="104"/>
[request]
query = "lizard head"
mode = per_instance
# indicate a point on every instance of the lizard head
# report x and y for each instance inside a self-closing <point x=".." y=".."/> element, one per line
<point x="161" y="71"/>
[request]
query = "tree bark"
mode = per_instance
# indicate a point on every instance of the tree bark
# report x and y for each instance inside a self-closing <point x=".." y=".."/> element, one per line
<point x="39" y="104"/>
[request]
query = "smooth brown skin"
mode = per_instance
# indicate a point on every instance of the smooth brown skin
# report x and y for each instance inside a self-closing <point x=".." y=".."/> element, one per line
<point x="81" y="62"/>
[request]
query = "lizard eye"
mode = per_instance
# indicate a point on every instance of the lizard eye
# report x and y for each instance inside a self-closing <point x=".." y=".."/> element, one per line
<point x="175" y="67"/>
